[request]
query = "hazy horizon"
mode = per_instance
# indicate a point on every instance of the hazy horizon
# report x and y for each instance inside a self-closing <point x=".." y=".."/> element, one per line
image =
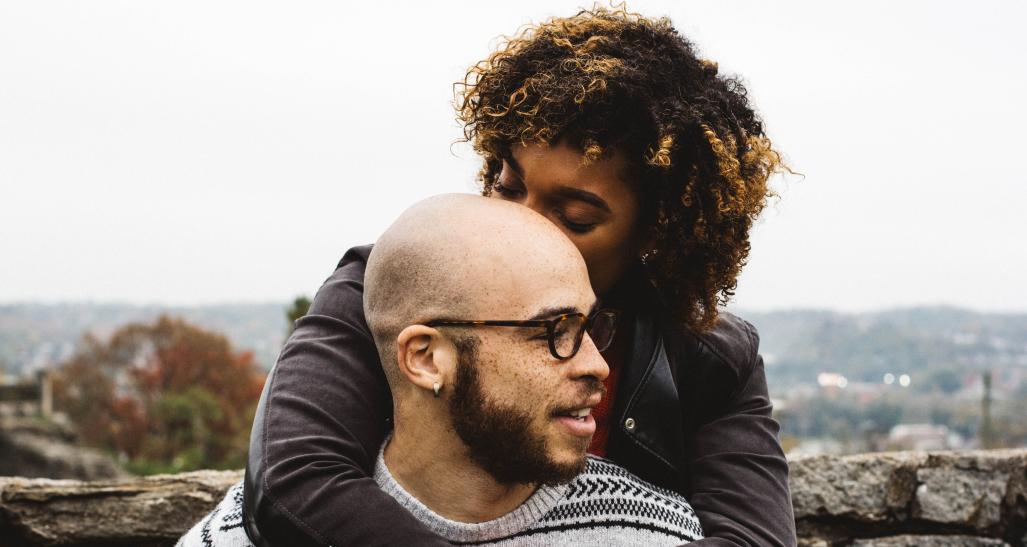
<point x="192" y="153"/>
<point x="286" y="302"/>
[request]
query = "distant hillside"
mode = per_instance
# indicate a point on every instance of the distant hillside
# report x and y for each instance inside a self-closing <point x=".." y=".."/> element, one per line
<point x="933" y="344"/>
<point x="37" y="335"/>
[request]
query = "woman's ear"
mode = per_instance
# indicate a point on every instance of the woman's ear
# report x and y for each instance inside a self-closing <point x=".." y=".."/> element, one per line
<point x="425" y="358"/>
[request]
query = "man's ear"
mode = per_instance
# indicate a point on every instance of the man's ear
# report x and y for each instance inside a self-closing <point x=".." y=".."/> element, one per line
<point x="425" y="358"/>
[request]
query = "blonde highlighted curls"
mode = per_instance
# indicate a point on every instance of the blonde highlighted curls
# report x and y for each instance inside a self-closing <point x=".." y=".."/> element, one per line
<point x="608" y="80"/>
<point x="661" y="156"/>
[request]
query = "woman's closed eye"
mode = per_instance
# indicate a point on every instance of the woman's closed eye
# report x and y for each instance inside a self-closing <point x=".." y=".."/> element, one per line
<point x="575" y="225"/>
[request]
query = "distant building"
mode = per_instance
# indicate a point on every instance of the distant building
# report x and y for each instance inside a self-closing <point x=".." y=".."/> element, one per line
<point x="923" y="437"/>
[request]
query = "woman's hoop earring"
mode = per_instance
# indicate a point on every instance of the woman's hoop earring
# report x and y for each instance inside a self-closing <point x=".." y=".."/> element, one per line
<point x="647" y="255"/>
<point x="436" y="388"/>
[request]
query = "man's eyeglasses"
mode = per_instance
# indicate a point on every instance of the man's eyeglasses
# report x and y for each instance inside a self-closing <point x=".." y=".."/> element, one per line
<point x="565" y="332"/>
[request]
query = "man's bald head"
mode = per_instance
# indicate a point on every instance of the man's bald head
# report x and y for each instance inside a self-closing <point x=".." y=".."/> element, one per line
<point x="460" y="256"/>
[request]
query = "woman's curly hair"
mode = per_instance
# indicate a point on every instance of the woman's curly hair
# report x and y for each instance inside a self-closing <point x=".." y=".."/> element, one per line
<point x="609" y="79"/>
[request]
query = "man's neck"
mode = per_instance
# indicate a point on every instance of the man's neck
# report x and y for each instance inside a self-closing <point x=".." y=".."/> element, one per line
<point x="437" y="470"/>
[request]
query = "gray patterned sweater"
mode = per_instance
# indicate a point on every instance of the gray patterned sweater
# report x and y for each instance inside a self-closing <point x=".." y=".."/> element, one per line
<point x="605" y="505"/>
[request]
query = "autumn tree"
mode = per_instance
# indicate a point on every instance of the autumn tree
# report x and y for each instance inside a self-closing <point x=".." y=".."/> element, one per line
<point x="167" y="396"/>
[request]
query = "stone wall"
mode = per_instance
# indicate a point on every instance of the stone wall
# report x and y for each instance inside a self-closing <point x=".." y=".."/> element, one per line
<point x="872" y="500"/>
<point x="32" y="447"/>
<point x="912" y="498"/>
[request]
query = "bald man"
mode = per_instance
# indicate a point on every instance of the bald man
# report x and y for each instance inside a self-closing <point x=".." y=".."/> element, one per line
<point x="489" y="336"/>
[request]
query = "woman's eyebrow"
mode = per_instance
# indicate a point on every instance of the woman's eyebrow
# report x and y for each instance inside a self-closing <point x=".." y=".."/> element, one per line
<point x="583" y="195"/>
<point x="564" y="191"/>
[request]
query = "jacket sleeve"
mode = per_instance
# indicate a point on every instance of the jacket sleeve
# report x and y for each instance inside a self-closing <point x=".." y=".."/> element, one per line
<point x="737" y="470"/>
<point x="324" y="413"/>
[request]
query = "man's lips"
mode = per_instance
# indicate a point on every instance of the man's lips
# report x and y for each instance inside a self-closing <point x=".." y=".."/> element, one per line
<point x="577" y="420"/>
<point x="579" y="427"/>
<point x="579" y="409"/>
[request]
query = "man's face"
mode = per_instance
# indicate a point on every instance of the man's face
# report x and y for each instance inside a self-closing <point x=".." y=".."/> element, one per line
<point x="512" y="405"/>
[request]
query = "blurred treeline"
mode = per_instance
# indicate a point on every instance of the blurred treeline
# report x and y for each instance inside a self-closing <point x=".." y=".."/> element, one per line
<point x="165" y="396"/>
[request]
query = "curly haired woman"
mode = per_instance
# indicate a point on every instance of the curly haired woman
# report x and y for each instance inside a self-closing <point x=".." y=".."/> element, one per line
<point x="655" y="166"/>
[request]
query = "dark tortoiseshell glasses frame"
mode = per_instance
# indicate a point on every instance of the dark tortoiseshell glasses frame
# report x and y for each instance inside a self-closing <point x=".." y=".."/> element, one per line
<point x="605" y="320"/>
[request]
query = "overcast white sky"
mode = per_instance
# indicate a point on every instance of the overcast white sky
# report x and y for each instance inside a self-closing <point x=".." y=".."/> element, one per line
<point x="199" y="152"/>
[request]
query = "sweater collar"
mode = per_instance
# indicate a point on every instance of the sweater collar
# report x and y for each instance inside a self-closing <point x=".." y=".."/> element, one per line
<point x="528" y="513"/>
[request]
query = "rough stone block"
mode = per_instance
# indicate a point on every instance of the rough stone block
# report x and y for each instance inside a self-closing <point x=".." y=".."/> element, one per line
<point x="865" y="487"/>
<point x="959" y="496"/>
<point x="142" y="512"/>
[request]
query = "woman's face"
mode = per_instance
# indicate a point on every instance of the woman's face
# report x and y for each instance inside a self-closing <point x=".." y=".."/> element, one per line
<point x="592" y="204"/>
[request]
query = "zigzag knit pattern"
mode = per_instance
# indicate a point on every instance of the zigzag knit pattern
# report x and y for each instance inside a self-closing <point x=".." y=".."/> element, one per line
<point x="222" y="527"/>
<point x="607" y="494"/>
<point x="604" y="505"/>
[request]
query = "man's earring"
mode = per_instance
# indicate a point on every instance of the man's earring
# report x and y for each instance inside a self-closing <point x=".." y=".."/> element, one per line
<point x="436" y="388"/>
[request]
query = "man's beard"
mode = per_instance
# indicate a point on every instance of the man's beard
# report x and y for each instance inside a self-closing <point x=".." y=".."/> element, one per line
<point x="499" y="437"/>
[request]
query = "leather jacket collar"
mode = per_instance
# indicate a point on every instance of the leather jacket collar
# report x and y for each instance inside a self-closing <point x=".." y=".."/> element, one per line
<point x="648" y="427"/>
<point x="648" y="423"/>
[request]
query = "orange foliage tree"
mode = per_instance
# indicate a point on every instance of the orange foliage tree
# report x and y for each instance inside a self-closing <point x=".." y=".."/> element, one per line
<point x="166" y="396"/>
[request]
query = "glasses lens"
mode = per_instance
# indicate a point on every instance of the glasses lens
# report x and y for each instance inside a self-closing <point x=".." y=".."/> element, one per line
<point x="567" y="334"/>
<point x="604" y="324"/>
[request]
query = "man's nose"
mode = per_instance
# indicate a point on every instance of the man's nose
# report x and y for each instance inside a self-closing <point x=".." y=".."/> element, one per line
<point x="588" y="361"/>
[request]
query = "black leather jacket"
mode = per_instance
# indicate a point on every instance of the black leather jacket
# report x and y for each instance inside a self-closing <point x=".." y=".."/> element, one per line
<point x="692" y="414"/>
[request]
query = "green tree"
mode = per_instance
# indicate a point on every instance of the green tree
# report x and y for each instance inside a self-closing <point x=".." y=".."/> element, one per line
<point x="300" y="307"/>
